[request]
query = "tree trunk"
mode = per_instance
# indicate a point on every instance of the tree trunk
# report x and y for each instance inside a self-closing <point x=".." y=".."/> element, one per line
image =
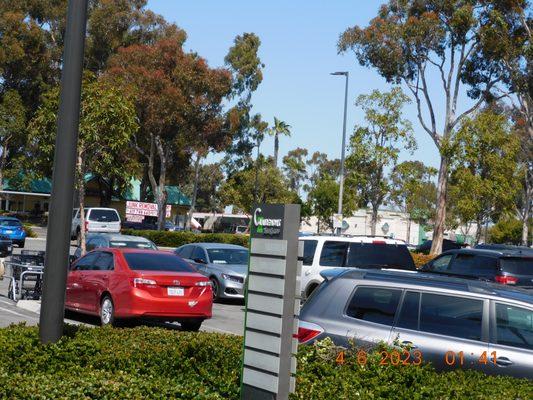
<point x="479" y="228"/>
<point x="374" y="221"/>
<point x="81" y="200"/>
<point x="276" y="149"/>
<point x="194" y="191"/>
<point x="409" y="230"/>
<point x="440" y="218"/>
<point x="526" y="213"/>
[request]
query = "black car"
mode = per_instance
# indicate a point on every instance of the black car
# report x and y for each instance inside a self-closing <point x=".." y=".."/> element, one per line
<point x="447" y="244"/>
<point x="501" y="266"/>
<point x="6" y="246"/>
<point x="506" y="248"/>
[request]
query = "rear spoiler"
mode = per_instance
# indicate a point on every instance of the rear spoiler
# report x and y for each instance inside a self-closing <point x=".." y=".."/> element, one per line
<point x="332" y="273"/>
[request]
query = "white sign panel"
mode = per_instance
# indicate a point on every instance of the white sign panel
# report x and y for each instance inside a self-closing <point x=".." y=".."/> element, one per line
<point x="145" y="209"/>
<point x="337" y="221"/>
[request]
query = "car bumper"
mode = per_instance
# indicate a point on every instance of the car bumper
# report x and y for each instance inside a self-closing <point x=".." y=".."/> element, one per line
<point x="140" y="303"/>
<point x="231" y="290"/>
<point x="15" y="236"/>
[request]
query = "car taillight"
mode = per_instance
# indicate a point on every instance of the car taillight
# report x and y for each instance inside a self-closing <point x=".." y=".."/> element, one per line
<point x="144" y="283"/>
<point x="203" y="283"/>
<point x="506" y="280"/>
<point x="378" y="242"/>
<point x="86" y="226"/>
<point x="307" y="331"/>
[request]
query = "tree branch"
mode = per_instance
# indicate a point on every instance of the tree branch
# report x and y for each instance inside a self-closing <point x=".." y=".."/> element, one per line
<point x="422" y="71"/>
<point x="414" y="90"/>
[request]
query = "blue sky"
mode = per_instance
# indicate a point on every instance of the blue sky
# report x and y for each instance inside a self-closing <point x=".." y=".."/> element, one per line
<point x="299" y="50"/>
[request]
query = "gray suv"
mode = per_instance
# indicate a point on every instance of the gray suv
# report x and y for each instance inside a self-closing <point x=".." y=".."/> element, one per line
<point x="449" y="322"/>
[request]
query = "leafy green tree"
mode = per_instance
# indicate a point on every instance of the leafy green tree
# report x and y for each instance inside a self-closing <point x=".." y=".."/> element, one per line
<point x="375" y="147"/>
<point x="295" y="168"/>
<point x="319" y="166"/>
<point x="413" y="192"/>
<point x="507" y="230"/>
<point x="322" y="201"/>
<point x="279" y="128"/>
<point x="178" y="99"/>
<point x="247" y="69"/>
<point x="484" y="173"/>
<point x="12" y="127"/>
<point x="410" y="40"/>
<point x="107" y="123"/>
<point x="272" y="187"/>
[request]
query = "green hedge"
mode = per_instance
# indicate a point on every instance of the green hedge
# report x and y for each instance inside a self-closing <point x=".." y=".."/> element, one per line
<point x="176" y="239"/>
<point x="153" y="363"/>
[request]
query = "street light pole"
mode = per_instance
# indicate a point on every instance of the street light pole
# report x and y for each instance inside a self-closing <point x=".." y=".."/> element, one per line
<point x="343" y="152"/>
<point x="60" y="216"/>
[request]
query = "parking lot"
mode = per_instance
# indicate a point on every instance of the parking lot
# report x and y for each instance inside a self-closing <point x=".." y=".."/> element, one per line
<point x="228" y="316"/>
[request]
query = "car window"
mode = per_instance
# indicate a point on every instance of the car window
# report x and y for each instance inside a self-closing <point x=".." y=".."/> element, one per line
<point x="452" y="316"/>
<point x="185" y="251"/>
<point x="517" y="265"/>
<point x="10" y="222"/>
<point x="91" y="244"/>
<point x="198" y="254"/>
<point x="473" y="265"/>
<point x="441" y="264"/>
<point x="379" y="254"/>
<point x="228" y="256"/>
<point x="103" y="215"/>
<point x="333" y="254"/>
<point x="104" y="262"/>
<point x="408" y="318"/>
<point x="372" y="304"/>
<point x="514" y="326"/>
<point x="75" y="212"/>
<point x="309" y="251"/>
<point x="157" y="262"/>
<point x="86" y="262"/>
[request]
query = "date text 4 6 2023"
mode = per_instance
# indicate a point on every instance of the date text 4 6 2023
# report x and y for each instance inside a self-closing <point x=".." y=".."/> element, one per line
<point x="414" y="357"/>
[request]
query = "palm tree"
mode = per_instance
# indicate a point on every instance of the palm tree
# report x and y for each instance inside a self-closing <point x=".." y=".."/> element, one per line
<point x="279" y="128"/>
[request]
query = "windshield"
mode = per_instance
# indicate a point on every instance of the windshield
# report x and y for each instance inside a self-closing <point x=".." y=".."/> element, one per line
<point x="370" y="255"/>
<point x="10" y="222"/>
<point x="103" y="216"/>
<point x="517" y="265"/>
<point x="157" y="262"/>
<point x="228" y="256"/>
<point x="130" y="244"/>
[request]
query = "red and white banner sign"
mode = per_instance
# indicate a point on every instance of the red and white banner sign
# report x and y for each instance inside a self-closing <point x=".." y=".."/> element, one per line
<point x="144" y="209"/>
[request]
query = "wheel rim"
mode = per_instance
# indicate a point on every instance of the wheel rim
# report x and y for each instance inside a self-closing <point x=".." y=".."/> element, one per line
<point x="214" y="285"/>
<point x="107" y="311"/>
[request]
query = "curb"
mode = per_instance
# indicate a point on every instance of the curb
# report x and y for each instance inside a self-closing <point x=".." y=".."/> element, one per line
<point x="30" y="305"/>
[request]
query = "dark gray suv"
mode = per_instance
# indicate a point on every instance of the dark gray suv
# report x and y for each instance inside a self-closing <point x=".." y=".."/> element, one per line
<point x="449" y="322"/>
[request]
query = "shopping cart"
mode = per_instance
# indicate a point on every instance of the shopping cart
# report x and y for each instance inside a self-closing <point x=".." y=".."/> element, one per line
<point x="25" y="275"/>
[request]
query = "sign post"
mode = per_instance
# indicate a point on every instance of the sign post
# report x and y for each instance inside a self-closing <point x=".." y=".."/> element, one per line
<point x="272" y="303"/>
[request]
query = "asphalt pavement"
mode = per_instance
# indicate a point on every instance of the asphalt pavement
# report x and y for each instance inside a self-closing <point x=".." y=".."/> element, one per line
<point x="228" y="316"/>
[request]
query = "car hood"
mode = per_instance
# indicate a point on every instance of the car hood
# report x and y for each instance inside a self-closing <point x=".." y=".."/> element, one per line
<point x="239" y="269"/>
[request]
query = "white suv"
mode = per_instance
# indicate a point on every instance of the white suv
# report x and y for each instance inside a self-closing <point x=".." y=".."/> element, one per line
<point x="327" y="252"/>
<point x="97" y="219"/>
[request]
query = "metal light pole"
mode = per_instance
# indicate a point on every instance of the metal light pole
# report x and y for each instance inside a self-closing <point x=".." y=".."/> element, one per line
<point x="341" y="185"/>
<point x="60" y="217"/>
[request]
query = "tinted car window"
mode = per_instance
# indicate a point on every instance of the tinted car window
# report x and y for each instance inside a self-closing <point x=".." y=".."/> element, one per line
<point x="198" y="254"/>
<point x="131" y="244"/>
<point x="517" y="265"/>
<point x="514" y="326"/>
<point x="374" y="304"/>
<point x="157" y="262"/>
<point x="333" y="254"/>
<point x="185" y="251"/>
<point x="473" y="264"/>
<point x="103" y="216"/>
<point x="451" y="316"/>
<point x="363" y="255"/>
<point x="441" y="264"/>
<point x="10" y="222"/>
<point x="228" y="256"/>
<point x="408" y="318"/>
<point x="309" y="251"/>
<point x="86" y="263"/>
<point x="104" y="262"/>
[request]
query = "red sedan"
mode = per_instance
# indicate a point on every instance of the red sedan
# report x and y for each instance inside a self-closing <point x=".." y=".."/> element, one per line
<point x="133" y="283"/>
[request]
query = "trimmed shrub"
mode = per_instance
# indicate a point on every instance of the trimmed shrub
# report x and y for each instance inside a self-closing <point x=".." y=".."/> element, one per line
<point x="154" y="363"/>
<point x="176" y="239"/>
<point x="421" y="259"/>
<point x="29" y="231"/>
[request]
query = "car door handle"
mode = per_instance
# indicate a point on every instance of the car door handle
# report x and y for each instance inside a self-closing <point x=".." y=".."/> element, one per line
<point x="306" y="273"/>
<point x="410" y="344"/>
<point x="503" y="362"/>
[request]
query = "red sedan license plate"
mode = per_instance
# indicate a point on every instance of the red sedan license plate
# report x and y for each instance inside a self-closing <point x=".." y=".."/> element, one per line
<point x="175" y="291"/>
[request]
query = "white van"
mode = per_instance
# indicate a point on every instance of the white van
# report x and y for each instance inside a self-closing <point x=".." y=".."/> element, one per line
<point x="328" y="252"/>
<point x="97" y="219"/>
